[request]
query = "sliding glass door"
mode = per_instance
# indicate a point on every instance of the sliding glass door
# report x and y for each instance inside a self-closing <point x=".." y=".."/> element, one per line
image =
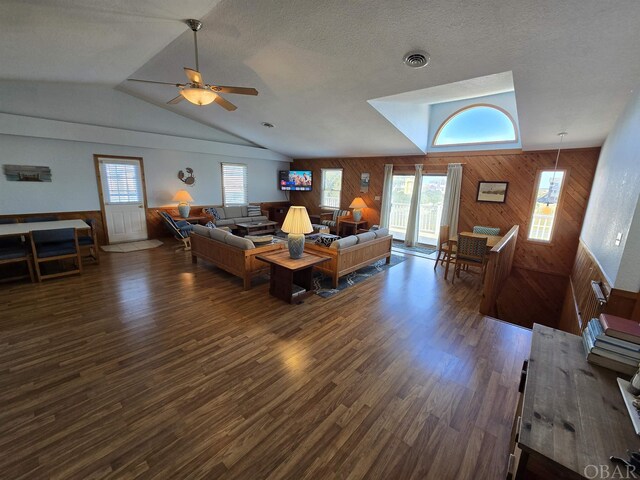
<point x="431" y="200"/>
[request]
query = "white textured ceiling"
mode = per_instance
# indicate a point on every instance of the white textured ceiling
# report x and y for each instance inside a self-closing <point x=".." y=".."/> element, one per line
<point x="316" y="64"/>
<point x="93" y="41"/>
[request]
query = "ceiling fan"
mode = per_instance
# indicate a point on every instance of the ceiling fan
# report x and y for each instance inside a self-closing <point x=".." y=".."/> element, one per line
<point x="196" y="91"/>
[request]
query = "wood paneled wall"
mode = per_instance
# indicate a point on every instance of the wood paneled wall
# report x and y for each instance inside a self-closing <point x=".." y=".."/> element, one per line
<point x="535" y="290"/>
<point x="517" y="168"/>
<point x="576" y="307"/>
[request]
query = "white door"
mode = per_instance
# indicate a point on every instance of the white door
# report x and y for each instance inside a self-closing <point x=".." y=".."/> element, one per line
<point x="123" y="199"/>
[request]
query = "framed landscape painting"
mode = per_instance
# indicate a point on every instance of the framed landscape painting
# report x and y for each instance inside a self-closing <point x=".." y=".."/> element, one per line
<point x="492" y="192"/>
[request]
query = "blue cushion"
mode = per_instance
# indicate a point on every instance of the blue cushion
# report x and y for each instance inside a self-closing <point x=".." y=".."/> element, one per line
<point x="57" y="235"/>
<point x="39" y="219"/>
<point x="85" y="240"/>
<point x="12" y="252"/>
<point x="53" y="249"/>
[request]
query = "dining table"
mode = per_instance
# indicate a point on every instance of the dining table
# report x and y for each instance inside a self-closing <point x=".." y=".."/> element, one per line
<point x="492" y="241"/>
<point x="10" y="229"/>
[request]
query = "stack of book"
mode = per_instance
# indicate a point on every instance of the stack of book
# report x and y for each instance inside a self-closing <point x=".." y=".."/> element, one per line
<point x="613" y="342"/>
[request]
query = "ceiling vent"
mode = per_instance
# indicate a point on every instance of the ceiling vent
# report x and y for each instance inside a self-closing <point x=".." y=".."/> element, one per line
<point x="417" y="59"/>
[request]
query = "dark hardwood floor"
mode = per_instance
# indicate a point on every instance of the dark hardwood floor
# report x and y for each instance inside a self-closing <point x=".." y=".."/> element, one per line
<point x="147" y="366"/>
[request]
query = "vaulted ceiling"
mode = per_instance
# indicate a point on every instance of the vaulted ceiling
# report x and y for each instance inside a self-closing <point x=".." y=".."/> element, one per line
<point x="316" y="64"/>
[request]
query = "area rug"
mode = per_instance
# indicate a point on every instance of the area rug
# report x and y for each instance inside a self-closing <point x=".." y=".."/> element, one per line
<point x="322" y="284"/>
<point x="417" y="249"/>
<point x="131" y="246"/>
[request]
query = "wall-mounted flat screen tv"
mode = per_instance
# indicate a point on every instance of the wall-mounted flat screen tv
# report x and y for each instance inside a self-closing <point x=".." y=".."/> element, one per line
<point x="296" y="180"/>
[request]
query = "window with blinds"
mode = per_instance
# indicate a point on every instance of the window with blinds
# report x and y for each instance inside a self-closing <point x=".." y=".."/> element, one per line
<point x="234" y="184"/>
<point x="122" y="182"/>
<point x="331" y="187"/>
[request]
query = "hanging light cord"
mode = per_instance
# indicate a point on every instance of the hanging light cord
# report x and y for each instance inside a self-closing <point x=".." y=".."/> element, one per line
<point x="555" y="168"/>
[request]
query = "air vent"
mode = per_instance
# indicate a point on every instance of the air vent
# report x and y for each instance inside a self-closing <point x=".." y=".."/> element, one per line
<point x="416" y="59"/>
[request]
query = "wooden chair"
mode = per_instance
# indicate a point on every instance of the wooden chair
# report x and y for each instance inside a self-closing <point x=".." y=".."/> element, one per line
<point x="443" y="247"/>
<point x="333" y="219"/>
<point x="54" y="245"/>
<point x="472" y="252"/>
<point x="181" y="230"/>
<point x="13" y="250"/>
<point x="89" y="242"/>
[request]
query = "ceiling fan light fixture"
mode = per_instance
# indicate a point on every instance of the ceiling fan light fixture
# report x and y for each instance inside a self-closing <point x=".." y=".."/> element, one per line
<point x="198" y="96"/>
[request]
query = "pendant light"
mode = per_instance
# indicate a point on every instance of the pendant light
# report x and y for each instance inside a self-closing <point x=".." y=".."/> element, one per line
<point x="546" y="210"/>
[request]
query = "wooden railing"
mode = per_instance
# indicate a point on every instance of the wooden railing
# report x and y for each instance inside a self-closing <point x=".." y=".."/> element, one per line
<point x="498" y="270"/>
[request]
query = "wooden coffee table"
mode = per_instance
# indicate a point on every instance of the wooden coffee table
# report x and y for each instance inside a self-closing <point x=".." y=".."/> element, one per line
<point x="257" y="228"/>
<point x="291" y="278"/>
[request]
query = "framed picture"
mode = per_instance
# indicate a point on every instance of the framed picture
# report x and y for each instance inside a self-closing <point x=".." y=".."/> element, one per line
<point x="27" y="173"/>
<point x="492" y="192"/>
<point x="364" y="182"/>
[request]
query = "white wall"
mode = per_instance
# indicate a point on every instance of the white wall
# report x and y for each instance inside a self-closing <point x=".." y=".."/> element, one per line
<point x="74" y="186"/>
<point x="614" y="201"/>
<point x="63" y="125"/>
<point x="629" y="273"/>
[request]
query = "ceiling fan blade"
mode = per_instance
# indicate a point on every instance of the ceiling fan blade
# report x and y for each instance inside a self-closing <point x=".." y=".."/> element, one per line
<point x="173" y="101"/>
<point x="159" y="83"/>
<point x="226" y="104"/>
<point x="193" y="75"/>
<point x="236" y="90"/>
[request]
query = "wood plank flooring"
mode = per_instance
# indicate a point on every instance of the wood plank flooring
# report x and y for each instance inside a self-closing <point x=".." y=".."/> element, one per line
<point x="147" y="366"/>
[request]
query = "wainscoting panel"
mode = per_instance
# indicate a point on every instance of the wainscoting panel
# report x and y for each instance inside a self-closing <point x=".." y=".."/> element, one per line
<point x="578" y="304"/>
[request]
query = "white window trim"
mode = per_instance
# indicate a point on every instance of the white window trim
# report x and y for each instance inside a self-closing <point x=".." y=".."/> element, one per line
<point x="322" y="172"/>
<point x="469" y="107"/>
<point x="246" y="182"/>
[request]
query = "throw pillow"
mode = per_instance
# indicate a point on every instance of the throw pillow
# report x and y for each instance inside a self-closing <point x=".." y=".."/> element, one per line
<point x="253" y="211"/>
<point x="210" y="225"/>
<point x="212" y="211"/>
<point x="326" y="240"/>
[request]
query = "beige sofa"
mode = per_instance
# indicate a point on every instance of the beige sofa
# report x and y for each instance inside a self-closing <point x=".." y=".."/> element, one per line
<point x="229" y="252"/>
<point x="353" y="252"/>
<point x="234" y="215"/>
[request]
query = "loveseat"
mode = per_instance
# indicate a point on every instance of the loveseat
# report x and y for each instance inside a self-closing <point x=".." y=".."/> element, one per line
<point x="236" y="255"/>
<point x="351" y="253"/>
<point x="225" y="216"/>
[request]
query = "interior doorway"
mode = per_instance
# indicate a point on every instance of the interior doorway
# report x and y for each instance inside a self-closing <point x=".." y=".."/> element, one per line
<point x="431" y="201"/>
<point x="122" y="197"/>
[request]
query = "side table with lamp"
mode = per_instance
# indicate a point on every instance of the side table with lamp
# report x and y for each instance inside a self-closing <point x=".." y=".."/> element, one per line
<point x="291" y="275"/>
<point x="183" y="197"/>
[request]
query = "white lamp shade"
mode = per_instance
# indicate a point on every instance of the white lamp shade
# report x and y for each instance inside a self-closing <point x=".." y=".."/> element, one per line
<point x="198" y="96"/>
<point x="182" y="196"/>
<point x="297" y="221"/>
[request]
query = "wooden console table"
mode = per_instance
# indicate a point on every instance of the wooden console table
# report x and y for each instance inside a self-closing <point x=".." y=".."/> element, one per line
<point x="291" y="278"/>
<point x="572" y="417"/>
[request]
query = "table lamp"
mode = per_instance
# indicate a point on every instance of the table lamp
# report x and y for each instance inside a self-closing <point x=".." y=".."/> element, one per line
<point x="183" y="198"/>
<point x="296" y="224"/>
<point x="357" y="205"/>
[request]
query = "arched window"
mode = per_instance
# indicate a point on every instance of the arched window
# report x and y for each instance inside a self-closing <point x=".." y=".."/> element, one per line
<point x="476" y="124"/>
